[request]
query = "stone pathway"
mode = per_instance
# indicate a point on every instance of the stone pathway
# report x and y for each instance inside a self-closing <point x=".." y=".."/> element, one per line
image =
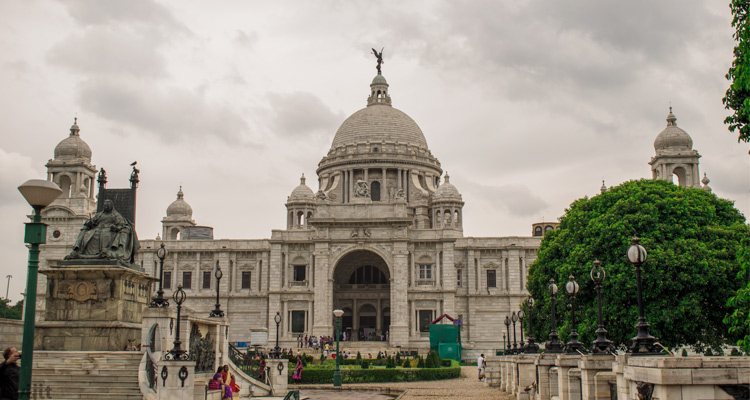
<point x="466" y="387"/>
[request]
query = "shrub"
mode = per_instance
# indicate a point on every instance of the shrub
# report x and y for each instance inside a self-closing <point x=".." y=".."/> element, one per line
<point x="398" y="358"/>
<point x="735" y="352"/>
<point x="684" y="352"/>
<point x="364" y="375"/>
<point x="708" y="352"/>
<point x="390" y="363"/>
<point x="322" y="358"/>
<point x="380" y="356"/>
<point x="406" y="364"/>
<point x="359" y="359"/>
<point x="420" y="363"/>
<point x="365" y="364"/>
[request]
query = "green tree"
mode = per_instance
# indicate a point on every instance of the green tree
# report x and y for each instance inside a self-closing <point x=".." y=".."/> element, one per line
<point x="737" y="97"/>
<point x="739" y="317"/>
<point x="691" y="237"/>
<point x="11" y="312"/>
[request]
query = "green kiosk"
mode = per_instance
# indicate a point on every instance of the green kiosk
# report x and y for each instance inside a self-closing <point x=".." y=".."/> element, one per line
<point x="446" y="338"/>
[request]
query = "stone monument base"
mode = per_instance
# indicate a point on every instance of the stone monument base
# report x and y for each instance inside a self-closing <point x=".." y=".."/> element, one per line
<point x="93" y="307"/>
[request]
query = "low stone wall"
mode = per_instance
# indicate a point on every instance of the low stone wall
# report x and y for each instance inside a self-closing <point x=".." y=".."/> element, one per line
<point x="11" y="333"/>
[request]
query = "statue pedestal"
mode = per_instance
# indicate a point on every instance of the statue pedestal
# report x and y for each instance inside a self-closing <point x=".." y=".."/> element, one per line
<point x="93" y="307"/>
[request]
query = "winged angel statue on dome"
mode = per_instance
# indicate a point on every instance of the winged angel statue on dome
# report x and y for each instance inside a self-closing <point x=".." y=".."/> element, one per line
<point x="379" y="56"/>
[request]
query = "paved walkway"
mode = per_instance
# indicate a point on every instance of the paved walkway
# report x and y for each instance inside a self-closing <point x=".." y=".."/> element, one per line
<point x="466" y="387"/>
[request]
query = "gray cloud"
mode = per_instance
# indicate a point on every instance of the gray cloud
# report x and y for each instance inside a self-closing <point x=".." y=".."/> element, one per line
<point x="300" y="113"/>
<point x="516" y="199"/>
<point x="171" y="113"/>
<point x="95" y="12"/>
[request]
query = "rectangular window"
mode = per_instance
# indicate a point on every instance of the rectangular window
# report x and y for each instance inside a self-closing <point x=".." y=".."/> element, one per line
<point x="246" y="279"/>
<point x="298" y="321"/>
<point x="425" y="272"/>
<point x="491" y="278"/>
<point x="458" y="277"/>
<point x="167" y="280"/>
<point x="187" y="280"/>
<point x="299" y="273"/>
<point x="425" y="317"/>
<point x="206" y="279"/>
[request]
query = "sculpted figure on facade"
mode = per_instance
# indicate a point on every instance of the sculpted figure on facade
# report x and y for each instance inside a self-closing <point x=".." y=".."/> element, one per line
<point x="362" y="190"/>
<point x="321" y="196"/>
<point x="107" y="235"/>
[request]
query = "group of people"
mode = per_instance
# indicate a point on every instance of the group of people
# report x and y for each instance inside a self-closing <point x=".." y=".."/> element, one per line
<point x="9" y="374"/>
<point x="317" y="342"/>
<point x="223" y="380"/>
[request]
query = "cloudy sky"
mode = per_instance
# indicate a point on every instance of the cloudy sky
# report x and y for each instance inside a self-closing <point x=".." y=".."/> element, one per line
<point x="528" y="104"/>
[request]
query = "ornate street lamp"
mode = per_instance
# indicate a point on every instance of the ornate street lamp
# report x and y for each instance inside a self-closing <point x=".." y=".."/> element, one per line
<point x="531" y="347"/>
<point x="39" y="194"/>
<point x="177" y="353"/>
<point x="277" y="349"/>
<point x="507" y="328"/>
<point x="159" y="301"/>
<point x="601" y="345"/>
<point x="554" y="345"/>
<point x="7" y="288"/>
<point x="521" y="316"/>
<point x="337" y="373"/>
<point x="573" y="345"/>
<point x="217" y="312"/>
<point x="643" y="343"/>
<point x="514" y="318"/>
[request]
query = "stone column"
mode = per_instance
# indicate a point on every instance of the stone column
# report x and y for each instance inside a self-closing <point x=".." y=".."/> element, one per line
<point x="618" y="367"/>
<point x="399" y="319"/>
<point x="174" y="388"/>
<point x="279" y="376"/>
<point x="379" y="316"/>
<point x="543" y="364"/>
<point x="526" y="374"/>
<point x="324" y="291"/>
<point x="384" y="188"/>
<point x="590" y="365"/>
<point x="564" y="363"/>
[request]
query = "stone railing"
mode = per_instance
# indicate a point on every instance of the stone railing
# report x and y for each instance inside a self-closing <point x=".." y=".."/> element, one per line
<point x="573" y="377"/>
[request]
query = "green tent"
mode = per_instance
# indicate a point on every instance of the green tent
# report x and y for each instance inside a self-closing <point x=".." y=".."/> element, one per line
<point x="446" y="339"/>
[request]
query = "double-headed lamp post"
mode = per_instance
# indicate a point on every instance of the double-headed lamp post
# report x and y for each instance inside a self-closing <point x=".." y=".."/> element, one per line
<point x="337" y="373"/>
<point x="277" y="349"/>
<point x="531" y="347"/>
<point x="159" y="301"/>
<point x="601" y="345"/>
<point x="507" y="328"/>
<point x="643" y="343"/>
<point x="554" y="345"/>
<point x="217" y="312"/>
<point x="521" y="316"/>
<point x="573" y="345"/>
<point x="39" y="193"/>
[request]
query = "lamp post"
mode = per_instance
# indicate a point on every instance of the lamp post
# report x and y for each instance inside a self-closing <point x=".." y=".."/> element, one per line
<point x="159" y="301"/>
<point x="507" y="328"/>
<point x="514" y="318"/>
<point x="531" y="347"/>
<point x="503" y="343"/>
<point x="7" y="305"/>
<point x="554" y="345"/>
<point x="601" y="345"/>
<point x="177" y="353"/>
<point x="521" y="316"/>
<point x="217" y="312"/>
<point x="643" y="343"/>
<point x="39" y="194"/>
<point x="573" y="345"/>
<point x="277" y="349"/>
<point x="337" y="373"/>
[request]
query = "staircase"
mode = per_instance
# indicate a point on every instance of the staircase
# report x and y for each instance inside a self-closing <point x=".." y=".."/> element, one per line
<point x="66" y="375"/>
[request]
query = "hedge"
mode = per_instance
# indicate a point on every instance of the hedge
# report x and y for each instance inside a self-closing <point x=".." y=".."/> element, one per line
<point x="375" y="375"/>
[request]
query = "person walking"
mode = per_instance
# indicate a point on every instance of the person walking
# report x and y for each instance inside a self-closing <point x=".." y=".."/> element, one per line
<point x="9" y="373"/>
<point x="480" y="367"/>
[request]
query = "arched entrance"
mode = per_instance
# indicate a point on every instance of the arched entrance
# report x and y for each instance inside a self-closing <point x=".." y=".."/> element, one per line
<point x="361" y="288"/>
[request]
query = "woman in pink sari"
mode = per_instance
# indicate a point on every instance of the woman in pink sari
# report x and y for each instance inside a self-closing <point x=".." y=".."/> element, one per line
<point x="298" y="371"/>
<point x="217" y="383"/>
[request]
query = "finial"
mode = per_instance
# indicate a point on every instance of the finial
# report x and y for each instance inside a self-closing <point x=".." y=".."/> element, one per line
<point x="705" y="182"/>
<point x="180" y="195"/>
<point x="302" y="179"/>
<point x="671" y="119"/>
<point x="379" y="56"/>
<point x="604" y="187"/>
<point x="74" y="129"/>
<point x="447" y="177"/>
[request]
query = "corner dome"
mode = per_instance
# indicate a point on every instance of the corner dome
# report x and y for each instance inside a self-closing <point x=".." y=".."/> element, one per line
<point x="379" y="123"/>
<point x="379" y="80"/>
<point x="672" y="137"/>
<point x="446" y="191"/>
<point x="73" y="147"/>
<point x="302" y="192"/>
<point x="179" y="207"/>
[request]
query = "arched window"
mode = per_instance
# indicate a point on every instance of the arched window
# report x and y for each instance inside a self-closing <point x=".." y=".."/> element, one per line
<point x="375" y="191"/>
<point x="65" y="186"/>
<point x="300" y="218"/>
<point x="367" y="274"/>
<point x="548" y="228"/>
<point x="538" y="231"/>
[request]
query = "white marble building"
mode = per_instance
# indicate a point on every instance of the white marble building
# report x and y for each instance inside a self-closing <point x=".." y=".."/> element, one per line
<point x="382" y="239"/>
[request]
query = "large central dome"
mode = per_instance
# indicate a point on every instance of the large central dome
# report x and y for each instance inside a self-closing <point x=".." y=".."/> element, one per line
<point x="377" y="123"/>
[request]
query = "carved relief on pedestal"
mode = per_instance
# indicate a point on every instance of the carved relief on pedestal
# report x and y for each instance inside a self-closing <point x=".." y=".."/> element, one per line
<point x="81" y="291"/>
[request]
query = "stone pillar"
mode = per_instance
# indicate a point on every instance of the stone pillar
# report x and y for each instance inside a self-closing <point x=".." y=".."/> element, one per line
<point x="175" y="388"/>
<point x="618" y="367"/>
<point x="163" y="337"/>
<point x="574" y="384"/>
<point x="278" y="375"/>
<point x="323" y="292"/>
<point x="492" y="373"/>
<point x="543" y="364"/>
<point x="590" y="365"/>
<point x="399" y="331"/>
<point x="564" y="363"/>
<point x="526" y="374"/>
<point x="384" y="188"/>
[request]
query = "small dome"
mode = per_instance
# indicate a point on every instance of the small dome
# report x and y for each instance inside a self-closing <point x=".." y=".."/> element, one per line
<point x="302" y="192"/>
<point x="672" y="137"/>
<point x="180" y="207"/>
<point x="379" y="80"/>
<point x="73" y="147"/>
<point x="446" y="191"/>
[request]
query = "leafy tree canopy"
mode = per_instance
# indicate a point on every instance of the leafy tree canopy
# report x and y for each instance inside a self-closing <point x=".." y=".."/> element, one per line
<point x="737" y="97"/>
<point x="692" y="238"/>
<point x="11" y="312"/>
<point x="739" y="319"/>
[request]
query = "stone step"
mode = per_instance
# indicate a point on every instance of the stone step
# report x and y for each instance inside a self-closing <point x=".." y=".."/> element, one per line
<point x="81" y="383"/>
